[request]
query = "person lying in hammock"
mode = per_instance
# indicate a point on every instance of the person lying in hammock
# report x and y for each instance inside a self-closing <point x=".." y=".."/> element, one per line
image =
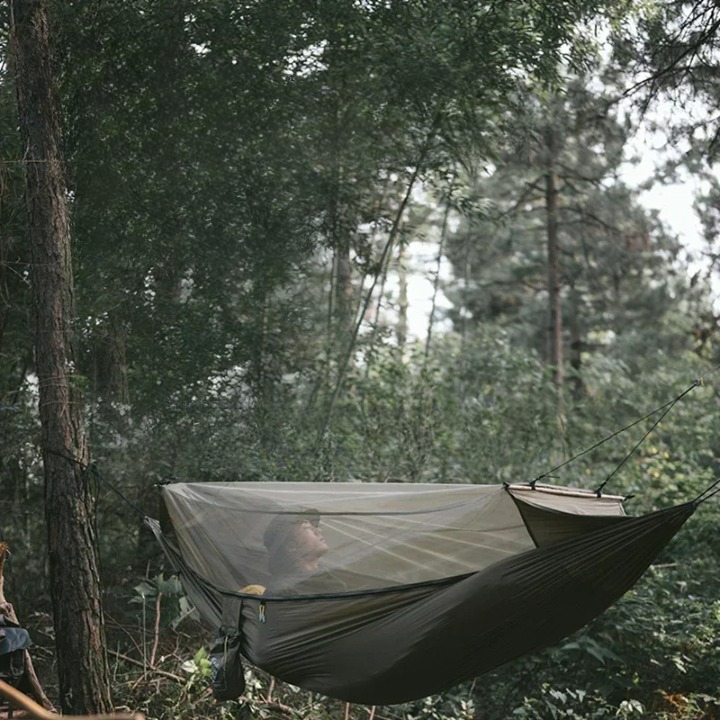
<point x="296" y="544"/>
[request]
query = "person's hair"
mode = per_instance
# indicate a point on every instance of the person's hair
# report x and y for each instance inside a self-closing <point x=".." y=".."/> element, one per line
<point x="282" y="561"/>
<point x="278" y="540"/>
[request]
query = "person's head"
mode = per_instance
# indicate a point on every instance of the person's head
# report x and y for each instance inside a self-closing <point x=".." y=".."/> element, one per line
<point x="295" y="543"/>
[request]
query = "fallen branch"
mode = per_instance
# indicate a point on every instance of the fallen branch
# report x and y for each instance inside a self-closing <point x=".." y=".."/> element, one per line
<point x="273" y="705"/>
<point x="140" y="663"/>
<point x="37" y="711"/>
<point x="271" y="687"/>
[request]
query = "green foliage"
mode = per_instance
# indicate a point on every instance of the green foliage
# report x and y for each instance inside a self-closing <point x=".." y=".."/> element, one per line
<point x="618" y="265"/>
<point x="222" y="157"/>
<point x="166" y="595"/>
<point x="450" y="416"/>
<point x="575" y="704"/>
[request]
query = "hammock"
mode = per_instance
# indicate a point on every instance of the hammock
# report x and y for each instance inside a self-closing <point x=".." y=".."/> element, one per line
<point x="413" y="587"/>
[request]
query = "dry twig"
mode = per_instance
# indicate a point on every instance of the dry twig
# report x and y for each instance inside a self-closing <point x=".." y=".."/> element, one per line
<point x="37" y="711"/>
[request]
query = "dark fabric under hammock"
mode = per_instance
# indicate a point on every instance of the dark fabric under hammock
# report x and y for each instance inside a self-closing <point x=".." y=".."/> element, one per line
<point x="421" y="586"/>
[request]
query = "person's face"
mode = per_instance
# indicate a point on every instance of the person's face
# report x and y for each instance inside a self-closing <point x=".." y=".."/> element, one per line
<point x="309" y="539"/>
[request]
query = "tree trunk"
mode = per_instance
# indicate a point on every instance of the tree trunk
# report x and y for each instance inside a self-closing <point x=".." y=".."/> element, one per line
<point x="74" y="580"/>
<point x="554" y="285"/>
<point x="401" y="330"/>
<point x="555" y="335"/>
<point x="577" y="344"/>
<point x="110" y="367"/>
<point x="438" y="267"/>
<point x="344" y="293"/>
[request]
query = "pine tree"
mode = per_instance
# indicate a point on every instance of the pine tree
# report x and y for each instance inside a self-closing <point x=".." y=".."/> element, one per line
<point x="78" y="617"/>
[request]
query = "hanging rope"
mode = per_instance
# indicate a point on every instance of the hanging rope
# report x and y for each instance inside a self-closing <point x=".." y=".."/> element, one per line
<point x="588" y="450"/>
<point x="91" y="467"/>
<point x="664" y="409"/>
<point x="669" y="407"/>
<point x="708" y="492"/>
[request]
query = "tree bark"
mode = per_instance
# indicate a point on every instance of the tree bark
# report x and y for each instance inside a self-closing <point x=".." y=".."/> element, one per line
<point x="344" y="292"/>
<point x="554" y="285"/>
<point x="74" y="579"/>
<point x="401" y="330"/>
<point x="577" y="344"/>
<point x="438" y="267"/>
<point x="114" y="368"/>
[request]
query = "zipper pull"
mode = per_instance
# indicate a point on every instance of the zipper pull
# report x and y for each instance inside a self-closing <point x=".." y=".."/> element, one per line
<point x="261" y="612"/>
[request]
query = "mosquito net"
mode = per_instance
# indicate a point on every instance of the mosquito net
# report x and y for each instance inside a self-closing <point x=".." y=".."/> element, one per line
<point x="382" y="593"/>
<point x="299" y="539"/>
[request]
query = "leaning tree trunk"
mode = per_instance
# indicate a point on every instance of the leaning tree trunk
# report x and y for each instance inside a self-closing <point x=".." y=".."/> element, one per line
<point x="74" y="582"/>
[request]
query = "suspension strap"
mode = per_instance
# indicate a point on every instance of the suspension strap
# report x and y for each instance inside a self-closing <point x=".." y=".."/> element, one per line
<point x="708" y="492"/>
<point x="92" y="468"/>
<point x="666" y="409"/>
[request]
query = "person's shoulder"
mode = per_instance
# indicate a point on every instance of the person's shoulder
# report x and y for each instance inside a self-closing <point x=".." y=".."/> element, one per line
<point x="335" y="580"/>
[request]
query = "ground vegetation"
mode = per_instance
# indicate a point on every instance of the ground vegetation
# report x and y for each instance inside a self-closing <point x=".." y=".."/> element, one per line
<point x="250" y="186"/>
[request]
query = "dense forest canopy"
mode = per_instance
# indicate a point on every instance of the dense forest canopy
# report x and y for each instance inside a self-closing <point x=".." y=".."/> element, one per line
<point x="248" y="185"/>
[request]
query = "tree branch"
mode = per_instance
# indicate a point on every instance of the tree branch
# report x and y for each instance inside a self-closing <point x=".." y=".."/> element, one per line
<point x="37" y="711"/>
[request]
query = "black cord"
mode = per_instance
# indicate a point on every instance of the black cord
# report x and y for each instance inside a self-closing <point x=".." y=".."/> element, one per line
<point x="665" y="409"/>
<point x="122" y="496"/>
<point x="609" y="437"/>
<point x="91" y="467"/>
<point x="708" y="492"/>
<point x="643" y="438"/>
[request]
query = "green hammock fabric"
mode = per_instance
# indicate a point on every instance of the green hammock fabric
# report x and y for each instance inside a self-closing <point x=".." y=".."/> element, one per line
<point x="420" y="586"/>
